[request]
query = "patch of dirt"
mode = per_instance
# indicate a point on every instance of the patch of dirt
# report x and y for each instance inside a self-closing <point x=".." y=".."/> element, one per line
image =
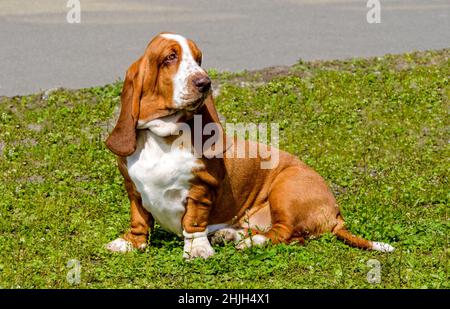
<point x="34" y="127"/>
<point x="32" y="179"/>
<point x="36" y="179"/>
<point x="12" y="108"/>
<point x="259" y="77"/>
<point x="338" y="190"/>
<point x="83" y="178"/>
<point x="26" y="141"/>
<point x="270" y="73"/>
<point x="256" y="78"/>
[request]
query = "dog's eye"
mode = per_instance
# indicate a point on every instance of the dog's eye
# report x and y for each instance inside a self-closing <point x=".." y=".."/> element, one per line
<point x="172" y="57"/>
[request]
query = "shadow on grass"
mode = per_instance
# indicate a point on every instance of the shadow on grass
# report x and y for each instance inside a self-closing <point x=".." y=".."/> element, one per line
<point x="160" y="238"/>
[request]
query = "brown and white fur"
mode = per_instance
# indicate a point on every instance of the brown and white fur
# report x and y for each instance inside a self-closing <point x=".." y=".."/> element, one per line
<point x="226" y="197"/>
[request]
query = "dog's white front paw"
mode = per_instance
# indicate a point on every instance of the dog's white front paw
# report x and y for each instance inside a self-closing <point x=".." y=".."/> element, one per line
<point x="197" y="245"/>
<point x="256" y="240"/>
<point x="119" y="245"/>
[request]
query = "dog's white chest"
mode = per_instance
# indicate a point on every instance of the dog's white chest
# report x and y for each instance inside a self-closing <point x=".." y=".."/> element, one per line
<point x="161" y="175"/>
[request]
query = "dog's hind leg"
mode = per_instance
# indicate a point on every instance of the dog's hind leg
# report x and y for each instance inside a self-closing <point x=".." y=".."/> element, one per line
<point x="282" y="205"/>
<point x="300" y="205"/>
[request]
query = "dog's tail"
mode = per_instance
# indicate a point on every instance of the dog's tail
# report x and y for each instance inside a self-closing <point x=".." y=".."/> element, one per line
<point x="343" y="234"/>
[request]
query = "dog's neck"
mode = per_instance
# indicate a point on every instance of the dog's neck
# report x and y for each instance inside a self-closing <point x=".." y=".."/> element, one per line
<point x="164" y="126"/>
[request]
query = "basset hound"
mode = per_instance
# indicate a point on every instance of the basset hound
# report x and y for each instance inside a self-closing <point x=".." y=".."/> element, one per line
<point x="201" y="188"/>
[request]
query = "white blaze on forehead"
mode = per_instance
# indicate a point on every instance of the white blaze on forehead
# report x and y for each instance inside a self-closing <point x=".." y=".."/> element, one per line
<point x="186" y="68"/>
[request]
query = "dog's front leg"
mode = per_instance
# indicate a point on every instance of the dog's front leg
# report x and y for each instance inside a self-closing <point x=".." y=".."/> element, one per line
<point x="195" y="230"/>
<point x="141" y="223"/>
<point x="137" y="236"/>
<point x="141" y="220"/>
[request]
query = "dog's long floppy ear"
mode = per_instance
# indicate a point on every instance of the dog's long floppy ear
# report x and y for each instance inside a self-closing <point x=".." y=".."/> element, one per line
<point x="216" y="143"/>
<point x="122" y="140"/>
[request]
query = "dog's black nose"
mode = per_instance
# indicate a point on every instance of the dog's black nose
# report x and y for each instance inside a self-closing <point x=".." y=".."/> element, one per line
<point x="202" y="83"/>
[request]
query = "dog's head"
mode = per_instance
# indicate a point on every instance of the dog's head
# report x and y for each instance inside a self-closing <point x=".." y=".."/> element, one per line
<point x="167" y="81"/>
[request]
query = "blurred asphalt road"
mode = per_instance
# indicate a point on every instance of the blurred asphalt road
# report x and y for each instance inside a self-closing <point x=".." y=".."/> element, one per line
<point x="40" y="50"/>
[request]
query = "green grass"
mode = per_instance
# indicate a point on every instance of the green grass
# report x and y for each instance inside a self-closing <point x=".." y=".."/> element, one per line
<point x="376" y="129"/>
